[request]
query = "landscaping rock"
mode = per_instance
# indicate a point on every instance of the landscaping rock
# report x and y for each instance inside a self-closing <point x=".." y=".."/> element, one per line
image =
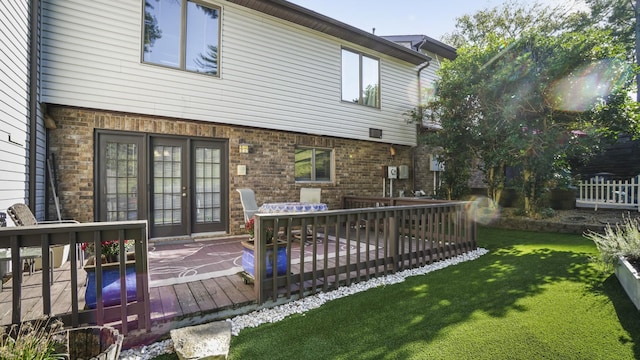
<point x="206" y="341"/>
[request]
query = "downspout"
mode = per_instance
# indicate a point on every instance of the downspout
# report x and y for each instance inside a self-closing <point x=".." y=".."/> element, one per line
<point x="33" y="101"/>
<point x="415" y="158"/>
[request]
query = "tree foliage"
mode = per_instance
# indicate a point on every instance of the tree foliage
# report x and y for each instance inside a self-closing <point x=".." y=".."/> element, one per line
<point x="515" y="92"/>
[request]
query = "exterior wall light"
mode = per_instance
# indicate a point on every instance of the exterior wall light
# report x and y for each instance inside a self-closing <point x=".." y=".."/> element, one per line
<point x="243" y="147"/>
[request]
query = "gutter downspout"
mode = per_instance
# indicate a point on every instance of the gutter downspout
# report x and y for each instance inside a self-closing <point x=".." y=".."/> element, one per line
<point x="415" y="158"/>
<point x="33" y="101"/>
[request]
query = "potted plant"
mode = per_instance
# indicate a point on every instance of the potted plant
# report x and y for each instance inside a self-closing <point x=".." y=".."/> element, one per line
<point x="109" y="251"/>
<point x="248" y="246"/>
<point x="619" y="247"/>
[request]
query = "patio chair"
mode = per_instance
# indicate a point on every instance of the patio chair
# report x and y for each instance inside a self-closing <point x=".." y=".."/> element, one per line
<point x="21" y="215"/>
<point x="310" y="195"/>
<point x="249" y="205"/>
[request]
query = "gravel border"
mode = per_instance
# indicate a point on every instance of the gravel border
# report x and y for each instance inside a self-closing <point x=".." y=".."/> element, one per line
<point x="280" y="312"/>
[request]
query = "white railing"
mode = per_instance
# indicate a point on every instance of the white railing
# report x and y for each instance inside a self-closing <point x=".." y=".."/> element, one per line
<point x="598" y="192"/>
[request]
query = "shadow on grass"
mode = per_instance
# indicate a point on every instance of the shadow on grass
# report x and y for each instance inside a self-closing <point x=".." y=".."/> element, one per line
<point x="404" y="320"/>
<point x="624" y="309"/>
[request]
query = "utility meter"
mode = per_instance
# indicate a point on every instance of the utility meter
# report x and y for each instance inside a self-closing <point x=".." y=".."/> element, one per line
<point x="392" y="172"/>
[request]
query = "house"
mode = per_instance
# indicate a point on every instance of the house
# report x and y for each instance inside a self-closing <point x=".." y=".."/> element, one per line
<point x="160" y="109"/>
<point x="427" y="169"/>
<point x="22" y="175"/>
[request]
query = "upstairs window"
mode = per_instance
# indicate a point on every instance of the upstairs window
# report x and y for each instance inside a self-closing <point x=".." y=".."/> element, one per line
<point x="313" y="164"/>
<point x="182" y="34"/>
<point x="360" y="79"/>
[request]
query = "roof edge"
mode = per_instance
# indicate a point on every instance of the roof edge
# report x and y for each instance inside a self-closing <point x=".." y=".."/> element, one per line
<point x="310" y="19"/>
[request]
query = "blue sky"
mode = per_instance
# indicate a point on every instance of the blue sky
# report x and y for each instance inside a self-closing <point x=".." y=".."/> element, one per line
<point x="433" y="18"/>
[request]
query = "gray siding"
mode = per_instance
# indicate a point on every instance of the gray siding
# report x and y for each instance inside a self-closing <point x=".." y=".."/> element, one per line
<point x="273" y="74"/>
<point x="14" y="82"/>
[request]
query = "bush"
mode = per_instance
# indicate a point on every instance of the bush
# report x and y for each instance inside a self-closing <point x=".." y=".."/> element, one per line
<point x="33" y="340"/>
<point x="621" y="240"/>
<point x="547" y="213"/>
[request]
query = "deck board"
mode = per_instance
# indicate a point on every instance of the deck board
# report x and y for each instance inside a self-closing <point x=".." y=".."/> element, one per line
<point x="169" y="300"/>
<point x="185" y="299"/>
<point x="230" y="289"/>
<point x="201" y="296"/>
<point x="217" y="295"/>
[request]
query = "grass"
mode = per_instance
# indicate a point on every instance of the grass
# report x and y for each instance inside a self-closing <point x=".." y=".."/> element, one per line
<point x="535" y="295"/>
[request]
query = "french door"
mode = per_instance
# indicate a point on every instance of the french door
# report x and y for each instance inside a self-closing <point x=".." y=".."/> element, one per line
<point x="185" y="181"/>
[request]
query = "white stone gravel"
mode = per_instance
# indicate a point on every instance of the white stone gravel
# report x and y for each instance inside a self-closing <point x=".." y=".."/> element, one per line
<point x="271" y="315"/>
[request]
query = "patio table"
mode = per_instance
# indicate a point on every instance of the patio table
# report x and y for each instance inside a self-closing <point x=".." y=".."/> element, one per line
<point x="291" y="207"/>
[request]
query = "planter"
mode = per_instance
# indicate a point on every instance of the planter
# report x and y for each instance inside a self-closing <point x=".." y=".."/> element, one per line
<point x="629" y="279"/>
<point x="281" y="260"/>
<point x="110" y="282"/>
<point x="91" y="342"/>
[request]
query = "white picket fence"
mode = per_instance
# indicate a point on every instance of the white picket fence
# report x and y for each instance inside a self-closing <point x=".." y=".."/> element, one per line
<point x="598" y="192"/>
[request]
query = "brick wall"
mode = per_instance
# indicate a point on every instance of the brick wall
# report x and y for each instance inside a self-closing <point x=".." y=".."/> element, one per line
<point x="270" y="165"/>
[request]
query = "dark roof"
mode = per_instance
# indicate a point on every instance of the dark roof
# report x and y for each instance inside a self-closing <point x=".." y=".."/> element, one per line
<point x="426" y="43"/>
<point x="302" y="16"/>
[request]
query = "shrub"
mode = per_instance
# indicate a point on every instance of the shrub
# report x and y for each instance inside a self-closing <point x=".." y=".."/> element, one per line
<point x="547" y="213"/>
<point x="621" y="240"/>
<point x="34" y="340"/>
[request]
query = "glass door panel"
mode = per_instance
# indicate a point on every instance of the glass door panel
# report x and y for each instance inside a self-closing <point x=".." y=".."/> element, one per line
<point x="169" y="188"/>
<point x="119" y="178"/>
<point x="208" y="162"/>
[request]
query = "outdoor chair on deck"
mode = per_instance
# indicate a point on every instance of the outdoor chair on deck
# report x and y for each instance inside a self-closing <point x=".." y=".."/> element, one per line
<point x="249" y="205"/>
<point x="310" y="195"/>
<point x="22" y="216"/>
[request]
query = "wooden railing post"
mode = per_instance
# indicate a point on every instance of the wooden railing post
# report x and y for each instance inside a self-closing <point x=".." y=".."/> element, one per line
<point x="394" y="240"/>
<point x="259" y="267"/>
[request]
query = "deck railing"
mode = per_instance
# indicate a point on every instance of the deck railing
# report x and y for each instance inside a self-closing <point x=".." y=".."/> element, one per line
<point x="132" y="315"/>
<point x="598" y="192"/>
<point x="373" y="238"/>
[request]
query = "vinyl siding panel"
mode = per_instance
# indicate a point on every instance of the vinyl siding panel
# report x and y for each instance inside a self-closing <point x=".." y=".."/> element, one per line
<point x="14" y="81"/>
<point x="273" y="74"/>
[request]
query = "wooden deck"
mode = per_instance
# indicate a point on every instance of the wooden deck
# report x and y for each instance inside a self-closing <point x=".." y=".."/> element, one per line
<point x="354" y="252"/>
<point x="172" y="306"/>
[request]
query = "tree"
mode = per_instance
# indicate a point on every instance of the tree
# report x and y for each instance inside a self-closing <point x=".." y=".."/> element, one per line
<point x="508" y="97"/>
<point x="622" y="19"/>
<point x="506" y="22"/>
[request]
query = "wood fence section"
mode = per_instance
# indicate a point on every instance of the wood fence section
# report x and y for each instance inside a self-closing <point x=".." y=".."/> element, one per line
<point x="135" y="314"/>
<point x="599" y="192"/>
<point x="377" y="236"/>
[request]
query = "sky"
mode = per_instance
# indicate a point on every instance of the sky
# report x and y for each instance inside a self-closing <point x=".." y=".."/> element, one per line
<point x="433" y="18"/>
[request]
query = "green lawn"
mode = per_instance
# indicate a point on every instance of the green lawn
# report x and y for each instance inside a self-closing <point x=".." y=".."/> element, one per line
<point x="533" y="296"/>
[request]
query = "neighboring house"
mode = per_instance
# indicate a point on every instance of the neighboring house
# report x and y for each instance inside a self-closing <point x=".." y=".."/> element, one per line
<point x="427" y="169"/>
<point x="146" y="121"/>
